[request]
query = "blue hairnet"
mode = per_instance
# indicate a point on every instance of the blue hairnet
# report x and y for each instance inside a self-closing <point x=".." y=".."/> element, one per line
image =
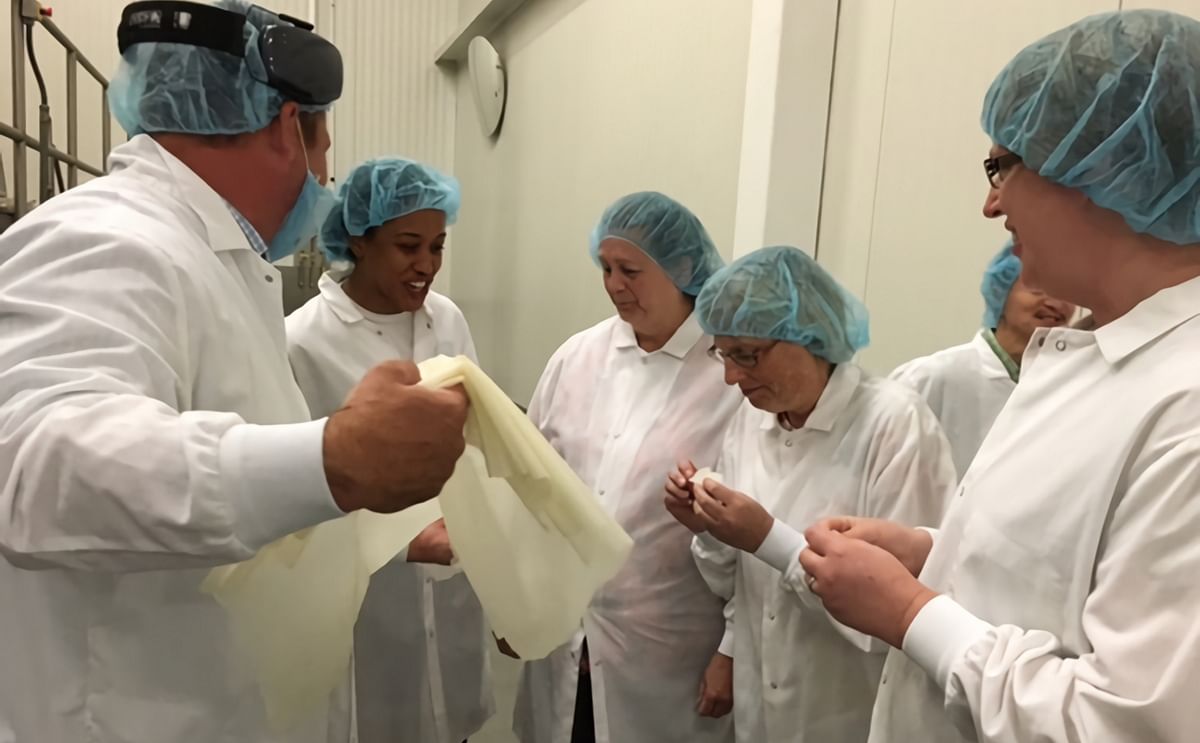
<point x="782" y="294"/>
<point x="379" y="191"/>
<point x="1110" y="106"/>
<point x="998" y="280"/>
<point x="666" y="231"/>
<point x="186" y="89"/>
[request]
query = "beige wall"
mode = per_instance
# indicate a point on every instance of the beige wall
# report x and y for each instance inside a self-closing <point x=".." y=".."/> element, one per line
<point x="901" y="221"/>
<point x="605" y="97"/>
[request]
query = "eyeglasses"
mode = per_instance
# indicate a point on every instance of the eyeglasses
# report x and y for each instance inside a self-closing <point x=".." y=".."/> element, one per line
<point x="997" y="168"/>
<point x="744" y="359"/>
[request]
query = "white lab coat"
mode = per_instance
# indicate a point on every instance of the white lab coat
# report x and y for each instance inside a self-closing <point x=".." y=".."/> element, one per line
<point x="870" y="448"/>
<point x="421" y="644"/>
<point x="966" y="387"/>
<point x="139" y="331"/>
<point x="622" y="419"/>
<point x="1068" y="564"/>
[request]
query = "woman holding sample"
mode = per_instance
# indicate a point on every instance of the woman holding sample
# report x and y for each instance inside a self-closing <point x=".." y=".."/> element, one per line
<point x="621" y="402"/>
<point x="816" y="434"/>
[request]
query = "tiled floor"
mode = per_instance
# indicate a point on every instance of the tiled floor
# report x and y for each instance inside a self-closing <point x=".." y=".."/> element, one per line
<point x="504" y="681"/>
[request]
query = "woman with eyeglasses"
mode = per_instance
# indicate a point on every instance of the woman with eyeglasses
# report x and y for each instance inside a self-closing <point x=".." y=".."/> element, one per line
<point x="966" y="386"/>
<point x="1058" y="601"/>
<point x="621" y="402"/>
<point x="816" y="434"/>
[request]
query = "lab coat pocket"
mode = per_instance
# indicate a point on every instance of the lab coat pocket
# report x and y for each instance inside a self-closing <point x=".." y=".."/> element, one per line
<point x="1004" y="580"/>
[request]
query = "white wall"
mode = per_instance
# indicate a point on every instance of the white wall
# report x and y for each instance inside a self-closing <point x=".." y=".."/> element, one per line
<point x="901" y="221"/>
<point x="605" y="97"/>
<point x="788" y="81"/>
<point x="396" y="101"/>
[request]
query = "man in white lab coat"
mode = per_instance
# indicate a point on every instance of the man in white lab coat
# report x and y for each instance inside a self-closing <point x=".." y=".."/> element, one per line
<point x="1058" y="600"/>
<point x="814" y="433"/>
<point x="966" y="386"/>
<point x="150" y="428"/>
<point x="421" y="642"/>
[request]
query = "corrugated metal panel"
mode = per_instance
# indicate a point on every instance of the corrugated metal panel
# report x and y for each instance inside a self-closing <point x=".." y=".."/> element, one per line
<point x="396" y="102"/>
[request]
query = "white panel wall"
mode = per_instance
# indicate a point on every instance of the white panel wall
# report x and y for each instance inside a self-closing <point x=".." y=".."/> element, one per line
<point x="605" y="97"/>
<point x="1187" y="7"/>
<point x="788" y="79"/>
<point x="396" y="101"/>
<point x="901" y="217"/>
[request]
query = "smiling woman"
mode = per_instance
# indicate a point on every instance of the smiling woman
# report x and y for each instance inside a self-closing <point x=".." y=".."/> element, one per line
<point x="420" y="658"/>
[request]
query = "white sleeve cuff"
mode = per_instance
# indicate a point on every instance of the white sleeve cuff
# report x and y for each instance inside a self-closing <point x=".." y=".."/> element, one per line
<point x="726" y="646"/>
<point x="782" y="547"/>
<point x="942" y="633"/>
<point x="275" y="476"/>
<point x="709" y="542"/>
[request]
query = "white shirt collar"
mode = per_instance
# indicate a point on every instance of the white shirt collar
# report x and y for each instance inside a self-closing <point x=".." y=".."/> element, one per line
<point x="346" y="309"/>
<point x="203" y="200"/>
<point x="1150" y="320"/>
<point x="681" y="342"/>
<point x="993" y="367"/>
<point x="832" y="403"/>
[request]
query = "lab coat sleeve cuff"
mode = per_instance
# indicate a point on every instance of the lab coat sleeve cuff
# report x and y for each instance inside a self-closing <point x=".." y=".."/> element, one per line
<point x="782" y="547"/>
<point x="726" y="646"/>
<point x="709" y="542"/>
<point x="275" y="477"/>
<point x="942" y="633"/>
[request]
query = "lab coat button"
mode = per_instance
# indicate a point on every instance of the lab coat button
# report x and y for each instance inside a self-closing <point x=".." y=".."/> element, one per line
<point x="601" y="492"/>
<point x="774" y="685"/>
<point x="1061" y="345"/>
<point x="772" y="617"/>
<point x="1041" y="342"/>
<point x="787" y="442"/>
<point x="269" y="278"/>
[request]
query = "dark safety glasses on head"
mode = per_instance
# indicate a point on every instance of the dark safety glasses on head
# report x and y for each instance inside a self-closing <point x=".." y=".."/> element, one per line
<point x="300" y="64"/>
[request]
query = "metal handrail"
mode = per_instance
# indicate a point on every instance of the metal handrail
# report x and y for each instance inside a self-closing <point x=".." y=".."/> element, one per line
<point x="24" y="14"/>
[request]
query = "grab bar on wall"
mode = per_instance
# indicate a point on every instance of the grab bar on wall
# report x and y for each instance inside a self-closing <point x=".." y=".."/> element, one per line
<point x="25" y="15"/>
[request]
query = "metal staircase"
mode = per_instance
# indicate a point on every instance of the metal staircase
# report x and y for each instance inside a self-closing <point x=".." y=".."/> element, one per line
<point x="26" y="15"/>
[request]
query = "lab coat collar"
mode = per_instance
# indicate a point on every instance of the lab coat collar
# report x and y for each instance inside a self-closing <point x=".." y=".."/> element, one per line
<point x="1149" y="321"/>
<point x="834" y="399"/>
<point x="993" y="367"/>
<point x="349" y="312"/>
<point x="222" y="229"/>
<point x="681" y="343"/>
